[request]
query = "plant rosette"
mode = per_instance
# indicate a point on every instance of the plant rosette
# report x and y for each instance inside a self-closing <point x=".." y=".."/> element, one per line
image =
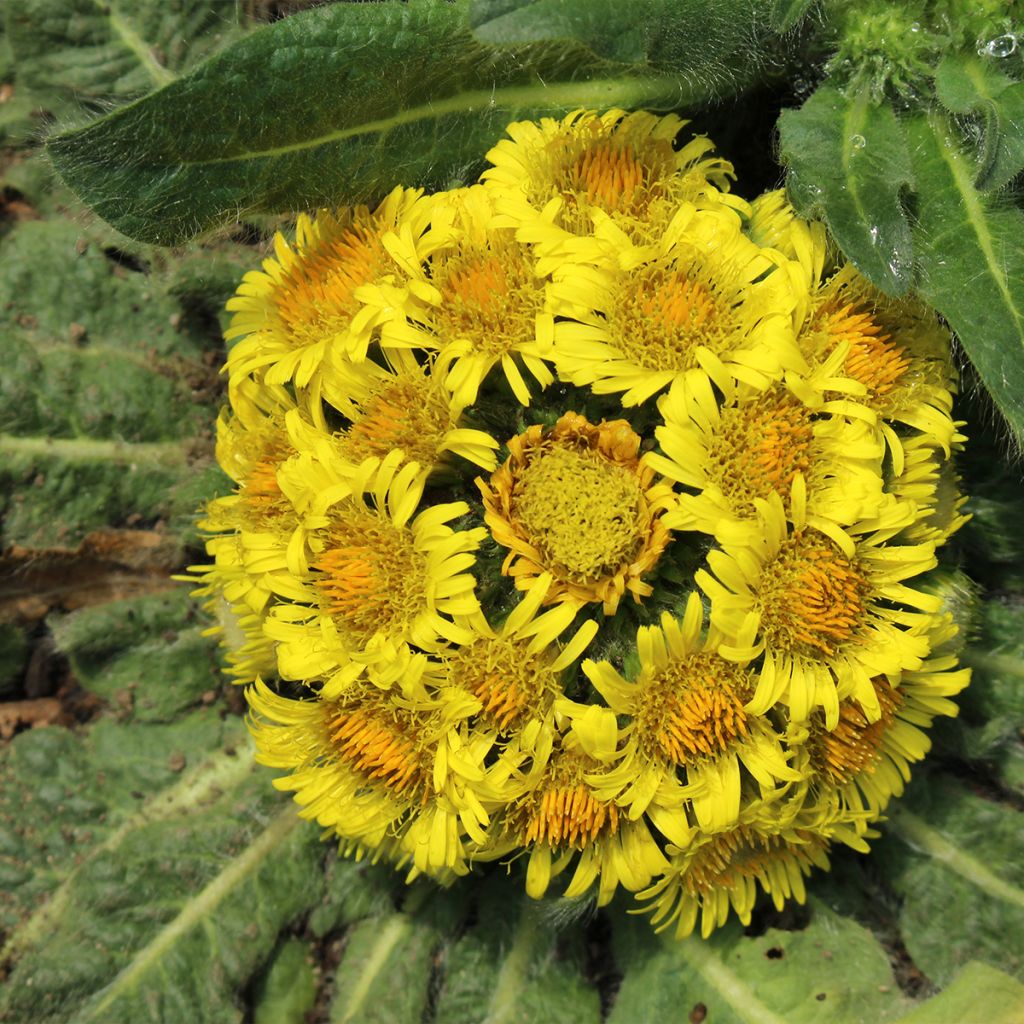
<point x="587" y="513"/>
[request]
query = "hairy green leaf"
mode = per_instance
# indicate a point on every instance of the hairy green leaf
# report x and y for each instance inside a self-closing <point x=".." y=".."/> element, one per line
<point x="787" y="14"/>
<point x="978" y="992"/>
<point x="729" y="51"/>
<point x="996" y="656"/>
<point x="355" y="890"/>
<point x="172" y="910"/>
<point x="519" y="972"/>
<point x="149" y="651"/>
<point x="385" y="974"/>
<point x="102" y="414"/>
<point x="971" y="262"/>
<point x="968" y="85"/>
<point x="66" y="795"/>
<point x="952" y="857"/>
<point x="288" y="991"/>
<point x="832" y="969"/>
<point x="75" y="52"/>
<point x="987" y="731"/>
<point x="336" y="104"/>
<point x="848" y="161"/>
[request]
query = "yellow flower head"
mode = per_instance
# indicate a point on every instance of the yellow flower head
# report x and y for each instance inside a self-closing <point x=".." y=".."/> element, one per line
<point x="722" y="871"/>
<point x="868" y="761"/>
<point x="895" y="350"/>
<point x="832" y="612"/>
<point x="623" y="165"/>
<point x="516" y="672"/>
<point x="559" y="818"/>
<point x="371" y="766"/>
<point x="253" y="443"/>
<point x="686" y="721"/>
<point x="478" y="299"/>
<point x="734" y="447"/>
<point x="318" y="293"/>
<point x="405" y="405"/>
<point x="701" y="296"/>
<point x="583" y="517"/>
<point x="365" y="568"/>
<point x="932" y="484"/>
<point x="575" y="501"/>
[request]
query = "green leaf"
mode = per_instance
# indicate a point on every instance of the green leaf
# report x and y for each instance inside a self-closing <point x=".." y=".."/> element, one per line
<point x="288" y="991"/>
<point x="68" y="796"/>
<point x="148" y="653"/>
<point x="13" y="656"/>
<point x="337" y="104"/>
<point x="125" y="936"/>
<point x="518" y="972"/>
<point x="978" y="992"/>
<point x="996" y="656"/>
<point x="103" y="420"/>
<point x="355" y="890"/>
<point x="385" y="975"/>
<point x="729" y="51"/>
<point x="971" y="262"/>
<point x="953" y="858"/>
<point x="833" y="969"/>
<point x="787" y="14"/>
<point x="987" y="731"/>
<point x="848" y="162"/>
<point x="968" y="85"/>
<point x="74" y="52"/>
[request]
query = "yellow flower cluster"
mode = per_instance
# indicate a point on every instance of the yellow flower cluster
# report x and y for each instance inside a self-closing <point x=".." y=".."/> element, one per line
<point x="585" y="513"/>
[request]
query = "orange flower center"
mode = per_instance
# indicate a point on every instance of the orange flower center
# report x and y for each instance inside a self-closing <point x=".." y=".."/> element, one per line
<point x="852" y="746"/>
<point x="377" y="747"/>
<point x="663" y="313"/>
<point x="371" y="575"/>
<point x="262" y="501"/>
<point x="873" y="359"/>
<point x="693" y="709"/>
<point x="412" y="412"/>
<point x="317" y="297"/>
<point x="490" y="297"/>
<point x="509" y="682"/>
<point x="562" y="811"/>
<point x="603" y="168"/>
<point x="812" y="597"/>
<point x="262" y="484"/>
<point x="760" y="447"/>
<point x="742" y="852"/>
<point x="609" y="175"/>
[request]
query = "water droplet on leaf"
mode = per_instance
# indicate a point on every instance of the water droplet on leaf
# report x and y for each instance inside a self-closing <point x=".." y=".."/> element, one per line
<point x="858" y="141"/>
<point x="1001" y="46"/>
